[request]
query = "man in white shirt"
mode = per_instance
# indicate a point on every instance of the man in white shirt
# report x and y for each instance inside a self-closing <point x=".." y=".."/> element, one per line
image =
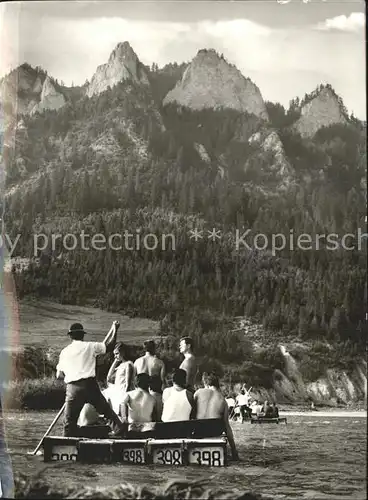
<point x="77" y="365"/>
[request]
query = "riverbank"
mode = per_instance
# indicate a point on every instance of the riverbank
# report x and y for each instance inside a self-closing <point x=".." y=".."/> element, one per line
<point x="49" y="393"/>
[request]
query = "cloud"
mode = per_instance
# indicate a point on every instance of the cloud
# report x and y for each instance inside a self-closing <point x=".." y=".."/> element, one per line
<point x="352" y="23"/>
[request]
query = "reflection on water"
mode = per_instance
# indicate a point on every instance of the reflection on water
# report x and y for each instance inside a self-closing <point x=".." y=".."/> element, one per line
<point x="308" y="458"/>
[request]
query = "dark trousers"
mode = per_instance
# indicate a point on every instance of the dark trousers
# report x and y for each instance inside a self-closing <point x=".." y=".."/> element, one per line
<point x="77" y="395"/>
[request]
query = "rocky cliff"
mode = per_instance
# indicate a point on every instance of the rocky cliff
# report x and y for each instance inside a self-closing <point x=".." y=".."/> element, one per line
<point x="20" y="89"/>
<point x="50" y="98"/>
<point x="27" y="90"/>
<point x="323" y="110"/>
<point x="307" y="373"/>
<point x="267" y="142"/>
<point x="211" y="82"/>
<point x="123" y="64"/>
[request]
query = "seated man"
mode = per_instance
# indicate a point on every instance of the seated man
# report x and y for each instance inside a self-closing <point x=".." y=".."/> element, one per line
<point x="274" y="411"/>
<point x="210" y="403"/>
<point x="266" y="410"/>
<point x="155" y="390"/>
<point x="178" y="402"/>
<point x="139" y="405"/>
<point x="256" y="408"/>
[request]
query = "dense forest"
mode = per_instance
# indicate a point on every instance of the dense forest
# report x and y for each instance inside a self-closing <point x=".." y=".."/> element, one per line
<point x="118" y="162"/>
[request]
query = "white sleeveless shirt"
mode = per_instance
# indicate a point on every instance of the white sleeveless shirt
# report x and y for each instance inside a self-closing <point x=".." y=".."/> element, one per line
<point x="176" y="406"/>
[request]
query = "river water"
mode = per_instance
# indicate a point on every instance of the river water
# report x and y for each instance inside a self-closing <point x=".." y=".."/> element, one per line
<point x="314" y="456"/>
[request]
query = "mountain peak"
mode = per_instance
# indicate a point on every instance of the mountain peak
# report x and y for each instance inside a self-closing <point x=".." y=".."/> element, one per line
<point x="123" y="64"/>
<point x="122" y="51"/>
<point x="211" y="82"/>
<point x="322" y="108"/>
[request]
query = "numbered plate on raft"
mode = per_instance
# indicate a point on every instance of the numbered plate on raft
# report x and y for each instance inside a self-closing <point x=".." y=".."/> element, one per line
<point x="133" y="455"/>
<point x="167" y="456"/>
<point x="211" y="456"/>
<point x="64" y="453"/>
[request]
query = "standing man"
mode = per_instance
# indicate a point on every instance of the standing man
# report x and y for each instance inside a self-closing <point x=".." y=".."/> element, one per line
<point x="149" y="363"/>
<point x="77" y="365"/>
<point x="189" y="363"/>
<point x="211" y="403"/>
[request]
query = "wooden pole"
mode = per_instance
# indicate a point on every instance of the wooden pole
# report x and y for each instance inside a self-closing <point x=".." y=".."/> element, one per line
<point x="49" y="430"/>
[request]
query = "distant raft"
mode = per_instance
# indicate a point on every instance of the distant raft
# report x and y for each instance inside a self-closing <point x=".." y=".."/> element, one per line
<point x="265" y="420"/>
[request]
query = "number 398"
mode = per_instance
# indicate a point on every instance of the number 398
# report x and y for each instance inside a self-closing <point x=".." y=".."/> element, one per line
<point x="211" y="458"/>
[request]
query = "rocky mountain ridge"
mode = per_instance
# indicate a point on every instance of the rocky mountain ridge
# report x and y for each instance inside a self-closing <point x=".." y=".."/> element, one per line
<point x="123" y="64"/>
<point x="322" y="110"/>
<point x="208" y="81"/>
<point x="211" y="82"/>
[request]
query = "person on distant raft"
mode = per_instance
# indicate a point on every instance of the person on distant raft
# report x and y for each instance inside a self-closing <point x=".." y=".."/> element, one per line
<point x="77" y="366"/>
<point x="274" y="411"/>
<point x="210" y="403"/>
<point x="138" y="405"/>
<point x="242" y="400"/>
<point x="189" y="363"/>
<point x="178" y="401"/>
<point x="230" y="401"/>
<point x="266" y="409"/>
<point x="149" y="363"/>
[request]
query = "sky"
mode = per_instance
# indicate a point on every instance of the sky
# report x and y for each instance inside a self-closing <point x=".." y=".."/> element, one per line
<point x="287" y="47"/>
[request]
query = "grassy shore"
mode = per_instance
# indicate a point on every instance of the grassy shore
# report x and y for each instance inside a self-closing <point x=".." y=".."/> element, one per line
<point x="35" y="394"/>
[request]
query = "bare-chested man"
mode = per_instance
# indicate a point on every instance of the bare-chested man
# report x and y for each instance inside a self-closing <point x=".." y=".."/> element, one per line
<point x="210" y="403"/>
<point x="139" y="405"/>
<point x="149" y="363"/>
<point x="189" y="363"/>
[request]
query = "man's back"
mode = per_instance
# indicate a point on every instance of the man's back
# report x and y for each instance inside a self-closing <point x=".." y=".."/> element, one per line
<point x="78" y="359"/>
<point x="210" y="403"/>
<point x="141" y="405"/>
<point x="149" y="364"/>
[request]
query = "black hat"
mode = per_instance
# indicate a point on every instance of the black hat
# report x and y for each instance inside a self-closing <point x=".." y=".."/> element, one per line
<point x="76" y="328"/>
